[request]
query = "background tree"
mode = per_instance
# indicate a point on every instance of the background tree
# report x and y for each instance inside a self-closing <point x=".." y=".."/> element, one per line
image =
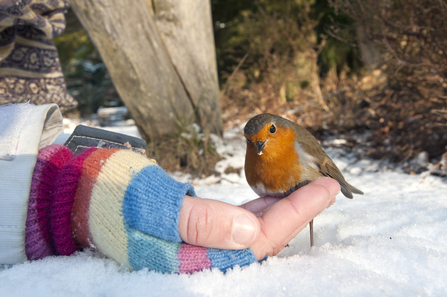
<point x="408" y="114"/>
<point x="347" y="67"/>
<point x="160" y="56"/>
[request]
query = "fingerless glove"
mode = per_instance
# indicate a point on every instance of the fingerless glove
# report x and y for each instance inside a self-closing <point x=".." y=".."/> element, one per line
<point x="118" y="202"/>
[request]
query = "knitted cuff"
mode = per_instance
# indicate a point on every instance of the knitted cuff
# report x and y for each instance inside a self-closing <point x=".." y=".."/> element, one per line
<point x="170" y="257"/>
<point x="153" y="201"/>
<point x="38" y="239"/>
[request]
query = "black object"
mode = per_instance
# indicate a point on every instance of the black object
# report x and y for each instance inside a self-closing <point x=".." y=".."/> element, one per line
<point x="84" y="137"/>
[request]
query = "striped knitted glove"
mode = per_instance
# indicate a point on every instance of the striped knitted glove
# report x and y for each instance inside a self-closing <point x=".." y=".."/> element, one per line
<point x="120" y="203"/>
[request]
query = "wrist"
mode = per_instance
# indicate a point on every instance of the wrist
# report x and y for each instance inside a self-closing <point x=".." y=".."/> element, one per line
<point x="38" y="237"/>
<point x="153" y="201"/>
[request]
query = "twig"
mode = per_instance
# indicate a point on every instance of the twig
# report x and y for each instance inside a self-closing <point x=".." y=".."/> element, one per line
<point x="234" y="72"/>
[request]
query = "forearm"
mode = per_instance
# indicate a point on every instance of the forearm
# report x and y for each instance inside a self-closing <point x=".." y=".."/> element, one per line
<point x="114" y="200"/>
<point x="122" y="204"/>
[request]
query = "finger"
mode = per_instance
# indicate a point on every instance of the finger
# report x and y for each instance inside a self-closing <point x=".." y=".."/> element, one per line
<point x="294" y="234"/>
<point x="259" y="204"/>
<point x="302" y="227"/>
<point x="334" y="189"/>
<point x="331" y="184"/>
<point x="216" y="224"/>
<point x="331" y="202"/>
<point x="290" y="215"/>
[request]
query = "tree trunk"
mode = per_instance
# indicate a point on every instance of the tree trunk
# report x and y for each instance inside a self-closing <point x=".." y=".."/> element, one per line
<point x="160" y="55"/>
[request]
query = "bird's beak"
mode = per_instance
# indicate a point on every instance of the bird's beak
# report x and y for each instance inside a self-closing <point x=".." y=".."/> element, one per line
<point x="260" y="145"/>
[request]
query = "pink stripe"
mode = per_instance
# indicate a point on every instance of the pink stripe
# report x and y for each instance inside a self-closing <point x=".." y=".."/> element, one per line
<point x="193" y="258"/>
<point x="50" y="160"/>
<point x="64" y="193"/>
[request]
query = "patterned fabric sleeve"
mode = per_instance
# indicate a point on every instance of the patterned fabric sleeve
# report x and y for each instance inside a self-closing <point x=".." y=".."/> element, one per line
<point x="30" y="70"/>
<point x="122" y="204"/>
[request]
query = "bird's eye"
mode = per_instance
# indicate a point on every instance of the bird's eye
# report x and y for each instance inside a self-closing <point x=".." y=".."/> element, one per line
<point x="272" y="129"/>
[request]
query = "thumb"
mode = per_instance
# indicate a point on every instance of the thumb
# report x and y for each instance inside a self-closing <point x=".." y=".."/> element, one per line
<point x="215" y="224"/>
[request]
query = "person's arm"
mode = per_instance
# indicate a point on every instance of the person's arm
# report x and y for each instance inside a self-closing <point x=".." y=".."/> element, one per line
<point x="120" y="203"/>
<point x="127" y="207"/>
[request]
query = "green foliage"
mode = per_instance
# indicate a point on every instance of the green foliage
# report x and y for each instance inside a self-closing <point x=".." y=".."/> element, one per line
<point x="87" y="78"/>
<point x="407" y="114"/>
<point x="274" y="33"/>
<point x="335" y="54"/>
<point x="75" y="46"/>
<point x="302" y="56"/>
<point x="247" y="26"/>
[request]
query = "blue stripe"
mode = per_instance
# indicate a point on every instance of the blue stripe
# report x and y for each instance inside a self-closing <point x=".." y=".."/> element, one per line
<point x="152" y="203"/>
<point x="152" y="253"/>
<point x="225" y="259"/>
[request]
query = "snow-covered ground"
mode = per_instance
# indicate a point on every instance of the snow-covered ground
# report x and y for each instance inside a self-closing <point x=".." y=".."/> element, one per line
<point x="392" y="241"/>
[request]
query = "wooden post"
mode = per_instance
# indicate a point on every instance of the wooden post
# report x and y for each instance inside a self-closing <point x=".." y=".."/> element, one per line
<point x="160" y="55"/>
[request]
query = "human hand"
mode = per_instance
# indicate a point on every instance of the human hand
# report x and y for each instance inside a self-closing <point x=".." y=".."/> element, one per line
<point x="129" y="209"/>
<point x="216" y="224"/>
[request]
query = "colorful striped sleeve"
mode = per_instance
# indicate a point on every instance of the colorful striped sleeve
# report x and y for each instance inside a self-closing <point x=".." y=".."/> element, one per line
<point x="127" y="207"/>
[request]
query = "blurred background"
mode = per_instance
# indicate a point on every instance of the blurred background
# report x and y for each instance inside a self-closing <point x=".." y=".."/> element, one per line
<point x="372" y="73"/>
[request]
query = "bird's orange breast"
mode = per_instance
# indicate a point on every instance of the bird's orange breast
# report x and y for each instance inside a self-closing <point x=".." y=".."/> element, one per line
<point x="278" y="169"/>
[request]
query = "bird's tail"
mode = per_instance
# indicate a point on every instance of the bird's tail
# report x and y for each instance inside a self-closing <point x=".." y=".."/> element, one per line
<point x="355" y="190"/>
<point x="348" y="189"/>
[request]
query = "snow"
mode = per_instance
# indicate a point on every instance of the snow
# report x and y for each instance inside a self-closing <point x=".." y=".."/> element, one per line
<point x="392" y="241"/>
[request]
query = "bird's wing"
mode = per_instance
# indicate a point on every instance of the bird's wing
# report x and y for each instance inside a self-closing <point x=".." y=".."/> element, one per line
<point x="335" y="173"/>
<point x="329" y="169"/>
<point x="325" y="164"/>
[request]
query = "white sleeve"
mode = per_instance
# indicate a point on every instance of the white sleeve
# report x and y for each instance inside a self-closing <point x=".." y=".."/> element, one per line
<point x="24" y="129"/>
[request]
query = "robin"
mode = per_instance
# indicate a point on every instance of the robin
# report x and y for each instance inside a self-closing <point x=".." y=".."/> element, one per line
<point x="282" y="157"/>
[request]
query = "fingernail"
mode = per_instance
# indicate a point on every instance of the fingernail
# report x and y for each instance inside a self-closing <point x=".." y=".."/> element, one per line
<point x="244" y="230"/>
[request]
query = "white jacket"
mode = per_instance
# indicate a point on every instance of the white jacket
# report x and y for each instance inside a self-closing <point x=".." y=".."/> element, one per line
<point x="24" y="129"/>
